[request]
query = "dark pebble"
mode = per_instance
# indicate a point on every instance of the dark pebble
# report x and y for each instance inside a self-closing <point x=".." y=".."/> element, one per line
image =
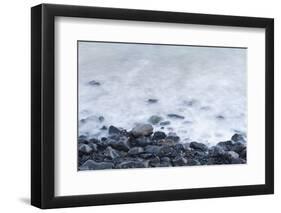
<point x="158" y="135"/>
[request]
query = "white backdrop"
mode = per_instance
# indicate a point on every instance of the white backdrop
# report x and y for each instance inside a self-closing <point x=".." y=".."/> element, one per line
<point x="15" y="105"/>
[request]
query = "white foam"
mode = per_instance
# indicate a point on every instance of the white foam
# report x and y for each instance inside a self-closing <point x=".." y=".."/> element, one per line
<point x="130" y="74"/>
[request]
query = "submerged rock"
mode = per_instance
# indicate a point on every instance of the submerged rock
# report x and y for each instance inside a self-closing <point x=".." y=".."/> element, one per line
<point x="152" y="100"/>
<point x="94" y="83"/>
<point x="175" y="116"/>
<point x="165" y="123"/>
<point x="155" y="119"/>
<point x="142" y="130"/>
<point x="220" y="117"/>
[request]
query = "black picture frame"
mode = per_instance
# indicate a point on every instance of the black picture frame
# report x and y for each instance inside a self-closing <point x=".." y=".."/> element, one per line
<point x="43" y="102"/>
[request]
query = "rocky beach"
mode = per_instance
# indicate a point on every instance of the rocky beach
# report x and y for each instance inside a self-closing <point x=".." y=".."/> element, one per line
<point x="143" y="148"/>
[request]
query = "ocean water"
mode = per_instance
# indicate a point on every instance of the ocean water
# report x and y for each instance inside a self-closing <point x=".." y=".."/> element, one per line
<point x="205" y="85"/>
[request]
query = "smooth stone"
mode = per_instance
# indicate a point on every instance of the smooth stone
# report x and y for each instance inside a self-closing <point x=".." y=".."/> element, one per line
<point x="142" y="130"/>
<point x="85" y="149"/>
<point x="154" y="150"/>
<point x="94" y="83"/>
<point x="98" y="165"/>
<point x="122" y="144"/>
<point x="111" y="153"/>
<point x="238" y="138"/>
<point x="154" y="119"/>
<point x="198" y="146"/>
<point x="113" y="130"/>
<point x="175" y="116"/>
<point x="165" y="123"/>
<point x="135" y="151"/>
<point x="179" y="161"/>
<point x="158" y="135"/>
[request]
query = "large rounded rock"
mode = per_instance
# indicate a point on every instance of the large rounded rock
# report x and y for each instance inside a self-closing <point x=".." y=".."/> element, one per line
<point x="198" y="146"/>
<point x="142" y="130"/>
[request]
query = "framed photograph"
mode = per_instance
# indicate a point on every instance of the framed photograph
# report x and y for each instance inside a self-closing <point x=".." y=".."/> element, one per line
<point x="139" y="106"/>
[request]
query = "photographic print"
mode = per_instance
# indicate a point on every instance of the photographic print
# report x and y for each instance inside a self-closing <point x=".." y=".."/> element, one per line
<point x="160" y="105"/>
